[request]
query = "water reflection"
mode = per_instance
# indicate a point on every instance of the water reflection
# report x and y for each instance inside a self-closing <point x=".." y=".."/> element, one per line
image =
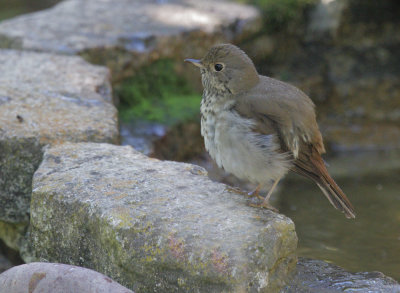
<point x="368" y="243"/>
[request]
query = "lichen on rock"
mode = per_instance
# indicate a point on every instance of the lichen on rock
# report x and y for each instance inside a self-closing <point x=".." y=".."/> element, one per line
<point x="149" y="223"/>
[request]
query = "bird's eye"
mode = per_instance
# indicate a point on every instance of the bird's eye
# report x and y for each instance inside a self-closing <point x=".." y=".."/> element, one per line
<point x="218" y="67"/>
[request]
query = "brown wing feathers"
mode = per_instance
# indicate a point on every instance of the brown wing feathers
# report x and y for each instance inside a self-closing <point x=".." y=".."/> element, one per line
<point x="310" y="164"/>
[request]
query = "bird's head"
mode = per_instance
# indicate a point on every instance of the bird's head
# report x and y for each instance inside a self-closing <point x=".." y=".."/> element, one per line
<point x="226" y="69"/>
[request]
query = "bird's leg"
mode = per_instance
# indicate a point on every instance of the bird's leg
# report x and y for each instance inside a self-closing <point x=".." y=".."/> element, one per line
<point x="266" y="199"/>
<point x="265" y="204"/>
<point x="255" y="192"/>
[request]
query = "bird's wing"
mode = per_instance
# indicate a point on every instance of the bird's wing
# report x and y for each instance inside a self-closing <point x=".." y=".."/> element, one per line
<point x="285" y="109"/>
<point x="281" y="109"/>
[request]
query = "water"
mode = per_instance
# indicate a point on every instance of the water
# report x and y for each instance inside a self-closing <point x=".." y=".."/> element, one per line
<point x="371" y="242"/>
<point x="141" y="135"/>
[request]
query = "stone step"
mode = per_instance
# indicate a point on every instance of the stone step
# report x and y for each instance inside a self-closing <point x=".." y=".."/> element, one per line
<point x="126" y="34"/>
<point x="73" y="26"/>
<point x="46" y="99"/>
<point x="153" y="225"/>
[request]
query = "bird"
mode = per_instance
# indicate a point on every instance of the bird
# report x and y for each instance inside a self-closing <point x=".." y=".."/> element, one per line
<point x="259" y="128"/>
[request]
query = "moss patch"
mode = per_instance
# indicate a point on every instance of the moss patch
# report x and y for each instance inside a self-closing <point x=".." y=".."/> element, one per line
<point x="11" y="8"/>
<point x="11" y="233"/>
<point x="157" y="93"/>
<point x="280" y="14"/>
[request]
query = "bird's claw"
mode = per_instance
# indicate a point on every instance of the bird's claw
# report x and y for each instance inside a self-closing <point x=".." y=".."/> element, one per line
<point x="235" y="190"/>
<point x="264" y="205"/>
<point x="255" y="194"/>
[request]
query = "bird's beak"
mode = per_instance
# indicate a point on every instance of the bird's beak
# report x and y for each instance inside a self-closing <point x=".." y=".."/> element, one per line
<point x="195" y="62"/>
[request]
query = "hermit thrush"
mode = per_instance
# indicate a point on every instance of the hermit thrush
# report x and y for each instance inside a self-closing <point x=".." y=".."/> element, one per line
<point x="258" y="128"/>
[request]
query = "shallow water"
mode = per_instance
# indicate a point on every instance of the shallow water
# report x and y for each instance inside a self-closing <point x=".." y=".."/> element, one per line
<point x="371" y="242"/>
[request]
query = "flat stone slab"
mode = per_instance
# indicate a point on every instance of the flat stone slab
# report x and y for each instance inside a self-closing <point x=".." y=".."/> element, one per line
<point x="154" y="225"/>
<point x="76" y="25"/>
<point x="125" y="35"/>
<point x="316" y="276"/>
<point x="56" y="278"/>
<point x="46" y="99"/>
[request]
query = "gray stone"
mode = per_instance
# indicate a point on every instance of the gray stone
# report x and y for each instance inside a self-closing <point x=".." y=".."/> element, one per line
<point x="56" y="278"/>
<point x="126" y="34"/>
<point x="154" y="225"/>
<point x="136" y="25"/>
<point x="316" y="276"/>
<point x="46" y="99"/>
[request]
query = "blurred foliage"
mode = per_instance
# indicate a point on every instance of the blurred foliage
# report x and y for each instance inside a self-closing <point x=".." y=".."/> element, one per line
<point x="11" y="8"/>
<point x="278" y="14"/>
<point x="157" y="93"/>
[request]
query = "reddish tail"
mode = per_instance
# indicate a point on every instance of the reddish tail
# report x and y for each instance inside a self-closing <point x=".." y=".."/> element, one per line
<point x="312" y="166"/>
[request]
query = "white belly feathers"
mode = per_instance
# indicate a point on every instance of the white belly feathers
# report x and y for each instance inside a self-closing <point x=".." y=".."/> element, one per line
<point x="230" y="141"/>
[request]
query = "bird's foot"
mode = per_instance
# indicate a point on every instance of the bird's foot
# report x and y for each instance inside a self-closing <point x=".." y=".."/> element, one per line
<point x="254" y="193"/>
<point x="264" y="205"/>
<point x="235" y="190"/>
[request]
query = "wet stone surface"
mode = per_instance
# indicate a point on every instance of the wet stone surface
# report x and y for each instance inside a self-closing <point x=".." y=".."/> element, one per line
<point x="316" y="276"/>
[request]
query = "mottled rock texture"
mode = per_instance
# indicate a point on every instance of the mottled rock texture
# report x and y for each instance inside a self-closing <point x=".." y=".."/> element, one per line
<point x="154" y="225"/>
<point x="316" y="276"/>
<point x="56" y="278"/>
<point x="127" y="33"/>
<point x="46" y="99"/>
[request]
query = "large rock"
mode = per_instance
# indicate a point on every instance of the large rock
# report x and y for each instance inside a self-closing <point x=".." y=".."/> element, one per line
<point x="316" y="276"/>
<point x="56" y="278"/>
<point x="126" y="33"/>
<point x="154" y="225"/>
<point x="46" y="99"/>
